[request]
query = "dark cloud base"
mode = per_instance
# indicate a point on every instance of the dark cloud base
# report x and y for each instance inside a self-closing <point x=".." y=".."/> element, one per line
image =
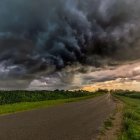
<point x="38" y="38"/>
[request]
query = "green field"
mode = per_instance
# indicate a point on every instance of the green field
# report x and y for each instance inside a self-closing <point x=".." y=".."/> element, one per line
<point x="15" y="101"/>
<point x="131" y="115"/>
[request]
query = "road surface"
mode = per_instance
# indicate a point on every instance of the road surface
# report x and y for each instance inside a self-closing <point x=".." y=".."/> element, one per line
<point x="73" y="121"/>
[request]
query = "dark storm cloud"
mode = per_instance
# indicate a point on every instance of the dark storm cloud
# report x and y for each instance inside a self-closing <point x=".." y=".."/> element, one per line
<point x="40" y="37"/>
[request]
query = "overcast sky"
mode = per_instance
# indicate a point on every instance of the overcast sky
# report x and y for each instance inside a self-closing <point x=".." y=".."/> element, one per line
<point x="69" y="44"/>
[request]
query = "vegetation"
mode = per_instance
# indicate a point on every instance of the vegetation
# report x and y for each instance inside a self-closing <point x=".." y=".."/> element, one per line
<point x="14" y="101"/>
<point x="126" y="93"/>
<point x="108" y="123"/>
<point x="131" y="114"/>
<point x="10" y="97"/>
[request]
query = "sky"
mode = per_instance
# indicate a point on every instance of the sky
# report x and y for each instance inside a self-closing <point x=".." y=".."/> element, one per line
<point x="125" y="76"/>
<point x="69" y="44"/>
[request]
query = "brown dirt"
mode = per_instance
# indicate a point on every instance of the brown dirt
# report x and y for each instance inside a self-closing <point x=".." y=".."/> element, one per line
<point x="113" y="132"/>
<point x="73" y="121"/>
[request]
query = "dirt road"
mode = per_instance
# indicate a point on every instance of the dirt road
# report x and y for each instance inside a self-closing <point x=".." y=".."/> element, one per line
<point x="74" y="121"/>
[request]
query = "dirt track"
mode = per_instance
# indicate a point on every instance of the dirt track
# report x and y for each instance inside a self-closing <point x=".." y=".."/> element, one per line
<point x="74" y="121"/>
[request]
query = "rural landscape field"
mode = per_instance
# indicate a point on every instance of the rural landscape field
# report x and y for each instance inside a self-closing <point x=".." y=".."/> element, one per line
<point x="69" y="69"/>
<point x="119" y="122"/>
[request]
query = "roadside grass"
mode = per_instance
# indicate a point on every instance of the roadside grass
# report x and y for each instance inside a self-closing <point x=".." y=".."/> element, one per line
<point x="108" y="124"/>
<point x="131" y="116"/>
<point x="24" y="106"/>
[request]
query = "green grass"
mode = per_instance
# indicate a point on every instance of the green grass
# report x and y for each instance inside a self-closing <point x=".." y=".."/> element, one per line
<point x="23" y="106"/>
<point x="108" y="123"/>
<point x="131" y="116"/>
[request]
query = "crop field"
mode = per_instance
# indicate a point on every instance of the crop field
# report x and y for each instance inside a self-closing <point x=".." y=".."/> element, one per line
<point x="15" y="101"/>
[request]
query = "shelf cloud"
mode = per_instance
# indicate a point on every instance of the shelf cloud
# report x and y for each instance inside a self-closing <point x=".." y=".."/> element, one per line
<point x="51" y="39"/>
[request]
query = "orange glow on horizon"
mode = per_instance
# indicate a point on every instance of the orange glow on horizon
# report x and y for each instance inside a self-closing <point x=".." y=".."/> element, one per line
<point x="89" y="88"/>
<point x="113" y="85"/>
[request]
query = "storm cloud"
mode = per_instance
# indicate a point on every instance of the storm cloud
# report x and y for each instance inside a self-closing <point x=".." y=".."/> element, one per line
<point x="40" y="38"/>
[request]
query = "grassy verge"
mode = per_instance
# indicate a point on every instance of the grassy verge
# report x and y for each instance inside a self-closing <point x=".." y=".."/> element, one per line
<point x="108" y="124"/>
<point x="23" y="106"/>
<point x="131" y="117"/>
